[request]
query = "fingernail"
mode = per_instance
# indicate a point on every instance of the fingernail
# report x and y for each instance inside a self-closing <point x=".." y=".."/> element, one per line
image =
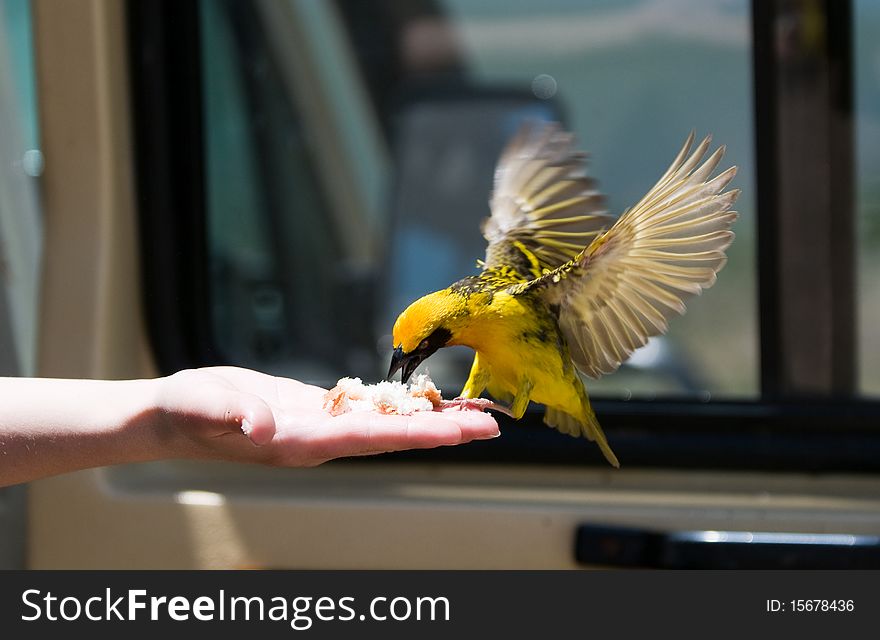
<point x="246" y="427"/>
<point x="490" y="436"/>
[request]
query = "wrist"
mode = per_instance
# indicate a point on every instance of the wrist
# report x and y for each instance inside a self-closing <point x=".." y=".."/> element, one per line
<point x="150" y="430"/>
<point x="128" y="423"/>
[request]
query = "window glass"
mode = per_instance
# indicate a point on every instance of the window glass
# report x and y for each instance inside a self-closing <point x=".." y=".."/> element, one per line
<point x="20" y="236"/>
<point x="267" y="309"/>
<point x="310" y="267"/>
<point x="20" y="164"/>
<point x="867" y="135"/>
<point x="17" y="52"/>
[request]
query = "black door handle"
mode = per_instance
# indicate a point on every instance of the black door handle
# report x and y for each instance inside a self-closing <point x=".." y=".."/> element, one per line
<point x="630" y="547"/>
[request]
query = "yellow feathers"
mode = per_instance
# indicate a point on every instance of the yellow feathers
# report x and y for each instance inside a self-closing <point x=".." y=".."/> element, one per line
<point x="447" y="309"/>
<point x="424" y="315"/>
<point x="564" y="285"/>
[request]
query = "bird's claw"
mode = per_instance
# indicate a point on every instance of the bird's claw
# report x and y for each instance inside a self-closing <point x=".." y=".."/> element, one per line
<point x="473" y="404"/>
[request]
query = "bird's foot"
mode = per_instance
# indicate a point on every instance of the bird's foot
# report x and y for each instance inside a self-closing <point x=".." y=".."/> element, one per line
<point x="473" y="404"/>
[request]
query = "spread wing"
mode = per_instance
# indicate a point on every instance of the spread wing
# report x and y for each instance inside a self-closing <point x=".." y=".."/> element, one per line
<point x="624" y="287"/>
<point x="542" y="202"/>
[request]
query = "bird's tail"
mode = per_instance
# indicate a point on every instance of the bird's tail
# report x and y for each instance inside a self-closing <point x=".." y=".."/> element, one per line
<point x="586" y="425"/>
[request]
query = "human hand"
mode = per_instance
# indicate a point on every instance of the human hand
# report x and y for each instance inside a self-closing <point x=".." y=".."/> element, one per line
<point x="207" y="410"/>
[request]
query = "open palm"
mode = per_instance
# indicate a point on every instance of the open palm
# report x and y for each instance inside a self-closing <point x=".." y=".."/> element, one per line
<point x="213" y="406"/>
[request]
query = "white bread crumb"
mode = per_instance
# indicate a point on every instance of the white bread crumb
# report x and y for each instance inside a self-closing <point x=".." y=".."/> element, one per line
<point x="351" y="394"/>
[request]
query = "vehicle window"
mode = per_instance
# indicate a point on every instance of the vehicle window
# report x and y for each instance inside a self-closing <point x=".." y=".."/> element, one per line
<point x="867" y="122"/>
<point x="308" y="169"/>
<point x="20" y="237"/>
<point x="338" y="194"/>
<point x="20" y="220"/>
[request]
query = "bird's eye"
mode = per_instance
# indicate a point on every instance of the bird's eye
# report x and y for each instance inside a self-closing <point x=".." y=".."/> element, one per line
<point x="423" y="344"/>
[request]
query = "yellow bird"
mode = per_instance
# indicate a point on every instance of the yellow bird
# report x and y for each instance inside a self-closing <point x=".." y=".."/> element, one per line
<point x="564" y="287"/>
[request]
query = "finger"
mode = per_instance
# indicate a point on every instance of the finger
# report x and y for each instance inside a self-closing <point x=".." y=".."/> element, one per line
<point x="210" y="406"/>
<point x="255" y="418"/>
<point x="474" y="425"/>
<point x="367" y="432"/>
<point x="237" y="411"/>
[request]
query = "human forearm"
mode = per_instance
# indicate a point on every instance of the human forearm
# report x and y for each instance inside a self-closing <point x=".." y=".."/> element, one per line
<point x="50" y="426"/>
<point x="53" y="426"/>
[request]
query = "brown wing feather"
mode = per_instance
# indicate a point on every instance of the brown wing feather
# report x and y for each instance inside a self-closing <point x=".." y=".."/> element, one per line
<point x="542" y="200"/>
<point x="625" y="286"/>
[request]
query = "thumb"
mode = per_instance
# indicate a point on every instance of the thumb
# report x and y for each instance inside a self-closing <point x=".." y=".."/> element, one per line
<point x="255" y="419"/>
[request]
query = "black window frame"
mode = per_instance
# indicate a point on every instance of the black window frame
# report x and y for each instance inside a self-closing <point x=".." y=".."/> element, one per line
<point x="808" y="423"/>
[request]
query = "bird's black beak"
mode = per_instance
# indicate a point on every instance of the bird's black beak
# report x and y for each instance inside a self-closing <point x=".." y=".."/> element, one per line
<point x="407" y="362"/>
<point x="410" y="361"/>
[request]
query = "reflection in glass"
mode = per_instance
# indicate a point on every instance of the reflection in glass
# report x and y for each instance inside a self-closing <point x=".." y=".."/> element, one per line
<point x="867" y="135"/>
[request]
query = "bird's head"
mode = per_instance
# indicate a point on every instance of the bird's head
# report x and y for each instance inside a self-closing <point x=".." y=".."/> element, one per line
<point x="429" y="323"/>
